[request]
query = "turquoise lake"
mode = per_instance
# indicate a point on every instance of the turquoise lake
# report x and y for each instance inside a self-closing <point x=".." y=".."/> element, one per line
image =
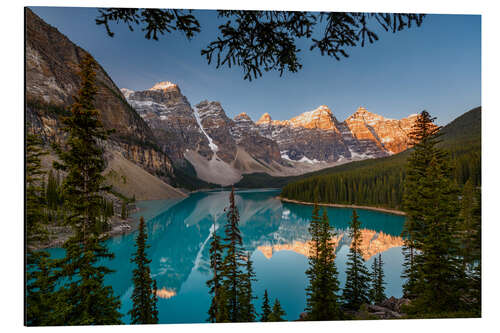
<point x="275" y="233"/>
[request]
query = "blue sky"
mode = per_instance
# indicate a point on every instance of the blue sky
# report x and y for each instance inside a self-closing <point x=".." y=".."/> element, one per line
<point x="436" y="67"/>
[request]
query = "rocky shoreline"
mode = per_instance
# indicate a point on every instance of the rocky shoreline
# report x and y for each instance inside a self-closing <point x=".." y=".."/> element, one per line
<point x="60" y="234"/>
<point x="379" y="209"/>
<point x="390" y="308"/>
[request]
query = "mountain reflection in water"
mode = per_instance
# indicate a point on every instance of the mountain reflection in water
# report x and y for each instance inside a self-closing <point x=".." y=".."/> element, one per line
<point x="276" y="234"/>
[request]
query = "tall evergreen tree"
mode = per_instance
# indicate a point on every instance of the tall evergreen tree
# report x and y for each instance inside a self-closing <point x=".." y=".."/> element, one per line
<point x="233" y="263"/>
<point x="467" y="227"/>
<point x="434" y="278"/>
<point x="35" y="198"/>
<point x="322" y="299"/>
<point x="377" y="291"/>
<point x="246" y="306"/>
<point x="155" y="302"/>
<point x="218" y="307"/>
<point x="423" y="137"/>
<point x="469" y="231"/>
<point x="373" y="279"/>
<point x="82" y="160"/>
<point x="277" y="313"/>
<point x="41" y="302"/>
<point x="266" y="308"/>
<point x="441" y="278"/>
<point x="144" y="293"/>
<point x="356" y="289"/>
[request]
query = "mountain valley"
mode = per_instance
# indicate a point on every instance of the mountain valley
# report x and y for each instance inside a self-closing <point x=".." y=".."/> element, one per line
<point x="193" y="146"/>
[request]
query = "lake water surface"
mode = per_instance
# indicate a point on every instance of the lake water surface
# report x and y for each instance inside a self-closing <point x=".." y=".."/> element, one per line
<point x="275" y="233"/>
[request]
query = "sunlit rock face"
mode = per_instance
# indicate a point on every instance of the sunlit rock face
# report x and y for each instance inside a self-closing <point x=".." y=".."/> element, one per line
<point x="318" y="136"/>
<point x="372" y="243"/>
<point x="321" y="118"/>
<point x="165" y="85"/>
<point x="310" y="137"/>
<point x="391" y="135"/>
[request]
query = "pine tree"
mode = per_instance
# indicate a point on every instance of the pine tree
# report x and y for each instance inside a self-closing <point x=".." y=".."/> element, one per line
<point x="377" y="292"/>
<point x="35" y="201"/>
<point x="217" y="310"/>
<point x="92" y="302"/>
<point x="469" y="231"/>
<point x="277" y="313"/>
<point x="233" y="262"/>
<point x="356" y="289"/>
<point x="144" y="295"/>
<point x="322" y="299"/>
<point x="441" y="279"/>
<point x="43" y="304"/>
<point x="373" y="279"/>
<point x="434" y="278"/>
<point x="266" y="308"/>
<point x="41" y="301"/>
<point x="246" y="306"/>
<point x="467" y="226"/>
<point x="155" y="302"/>
<point x="423" y="137"/>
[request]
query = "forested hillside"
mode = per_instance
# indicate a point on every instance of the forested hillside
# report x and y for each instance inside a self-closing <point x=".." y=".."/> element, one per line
<point x="379" y="182"/>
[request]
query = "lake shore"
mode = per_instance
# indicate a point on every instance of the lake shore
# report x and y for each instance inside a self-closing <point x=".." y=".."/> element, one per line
<point x="60" y="234"/>
<point x="378" y="209"/>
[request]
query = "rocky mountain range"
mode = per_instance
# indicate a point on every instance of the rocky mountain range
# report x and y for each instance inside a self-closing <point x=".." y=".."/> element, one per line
<point x="219" y="148"/>
<point x="318" y="136"/>
<point x="159" y="131"/>
<point x="222" y="149"/>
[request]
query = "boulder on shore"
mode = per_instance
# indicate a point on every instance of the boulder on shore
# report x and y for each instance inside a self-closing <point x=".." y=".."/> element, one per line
<point x="394" y="303"/>
<point x="390" y="308"/>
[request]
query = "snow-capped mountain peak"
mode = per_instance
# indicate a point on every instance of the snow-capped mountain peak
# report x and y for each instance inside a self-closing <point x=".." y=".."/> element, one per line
<point x="264" y="119"/>
<point x="163" y="85"/>
<point x="126" y="92"/>
<point x="243" y="117"/>
<point x="321" y="118"/>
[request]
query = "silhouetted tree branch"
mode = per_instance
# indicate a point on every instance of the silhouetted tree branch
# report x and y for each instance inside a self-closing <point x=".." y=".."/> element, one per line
<point x="265" y="41"/>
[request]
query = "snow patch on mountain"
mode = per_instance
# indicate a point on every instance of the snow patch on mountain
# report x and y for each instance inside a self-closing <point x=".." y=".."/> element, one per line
<point x="363" y="156"/>
<point x="304" y="159"/>
<point x="284" y="155"/>
<point x="211" y="143"/>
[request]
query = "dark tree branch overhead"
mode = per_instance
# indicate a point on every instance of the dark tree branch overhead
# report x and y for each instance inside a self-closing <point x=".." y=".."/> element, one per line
<point x="154" y="21"/>
<point x="265" y="41"/>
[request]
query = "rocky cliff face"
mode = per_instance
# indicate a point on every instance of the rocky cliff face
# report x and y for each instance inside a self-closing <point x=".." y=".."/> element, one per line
<point x="389" y="135"/>
<point x="171" y="119"/>
<point x="246" y="134"/>
<point x="52" y="66"/>
<point x="317" y="136"/>
<point x="216" y="125"/>
<point x="311" y="137"/>
<point x="219" y="148"/>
